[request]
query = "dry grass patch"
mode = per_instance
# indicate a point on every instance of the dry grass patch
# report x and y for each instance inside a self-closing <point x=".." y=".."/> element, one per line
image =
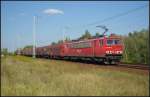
<point x="26" y="76"/>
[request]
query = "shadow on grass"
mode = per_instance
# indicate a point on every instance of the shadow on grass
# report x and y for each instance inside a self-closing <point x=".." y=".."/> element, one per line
<point x="86" y="61"/>
<point x="80" y="60"/>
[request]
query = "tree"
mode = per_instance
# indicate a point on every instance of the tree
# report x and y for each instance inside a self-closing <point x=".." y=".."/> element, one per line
<point x="53" y="43"/>
<point x="67" y="39"/>
<point x="86" y="35"/>
<point x="130" y="34"/>
<point x="60" y="41"/>
<point x="4" y="51"/>
<point x="28" y="46"/>
<point x="137" y="47"/>
<point x="97" y="34"/>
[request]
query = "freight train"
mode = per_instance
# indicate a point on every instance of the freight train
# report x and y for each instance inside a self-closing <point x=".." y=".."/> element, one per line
<point x="108" y="49"/>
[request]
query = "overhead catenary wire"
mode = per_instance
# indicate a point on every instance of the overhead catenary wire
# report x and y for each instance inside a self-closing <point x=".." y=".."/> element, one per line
<point x="116" y="16"/>
<point x="63" y="37"/>
<point x="110" y="18"/>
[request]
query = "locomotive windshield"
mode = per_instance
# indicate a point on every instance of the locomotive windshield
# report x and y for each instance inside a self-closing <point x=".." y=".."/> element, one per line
<point x="113" y="41"/>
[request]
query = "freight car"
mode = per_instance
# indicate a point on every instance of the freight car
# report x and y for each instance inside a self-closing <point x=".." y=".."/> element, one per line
<point x="43" y="51"/>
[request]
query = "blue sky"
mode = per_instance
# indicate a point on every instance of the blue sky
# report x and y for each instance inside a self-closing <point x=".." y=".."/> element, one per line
<point x="68" y="17"/>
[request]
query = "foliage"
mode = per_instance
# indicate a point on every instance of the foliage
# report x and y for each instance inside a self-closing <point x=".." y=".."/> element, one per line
<point x="53" y="43"/>
<point x="28" y="46"/>
<point x="67" y="39"/>
<point x="60" y="41"/>
<point x="137" y="47"/>
<point x="86" y="35"/>
<point x="4" y="51"/>
<point x="97" y="34"/>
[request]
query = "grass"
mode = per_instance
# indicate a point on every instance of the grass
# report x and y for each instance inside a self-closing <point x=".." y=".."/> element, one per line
<point x="26" y="76"/>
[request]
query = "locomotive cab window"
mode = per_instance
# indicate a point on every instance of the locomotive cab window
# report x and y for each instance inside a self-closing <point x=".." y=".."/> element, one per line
<point x="117" y="41"/>
<point x="113" y="41"/>
<point x="109" y="42"/>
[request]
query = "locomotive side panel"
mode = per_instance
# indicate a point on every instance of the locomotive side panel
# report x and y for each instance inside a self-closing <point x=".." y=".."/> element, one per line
<point x="99" y="47"/>
<point x="81" y="49"/>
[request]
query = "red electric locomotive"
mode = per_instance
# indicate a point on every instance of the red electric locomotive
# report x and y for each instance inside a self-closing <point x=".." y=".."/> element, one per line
<point x="107" y="49"/>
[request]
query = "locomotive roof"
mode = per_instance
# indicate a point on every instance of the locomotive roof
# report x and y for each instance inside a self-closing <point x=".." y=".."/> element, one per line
<point x="43" y="46"/>
<point x="87" y="40"/>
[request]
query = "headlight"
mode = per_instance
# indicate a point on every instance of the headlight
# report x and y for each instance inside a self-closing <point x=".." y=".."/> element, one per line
<point x="120" y="52"/>
<point x="107" y="52"/>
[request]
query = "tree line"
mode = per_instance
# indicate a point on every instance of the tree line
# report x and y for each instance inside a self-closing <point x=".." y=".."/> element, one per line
<point x="136" y="47"/>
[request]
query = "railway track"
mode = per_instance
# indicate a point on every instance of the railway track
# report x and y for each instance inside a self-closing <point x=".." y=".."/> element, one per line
<point x="124" y="65"/>
<point x="134" y="66"/>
